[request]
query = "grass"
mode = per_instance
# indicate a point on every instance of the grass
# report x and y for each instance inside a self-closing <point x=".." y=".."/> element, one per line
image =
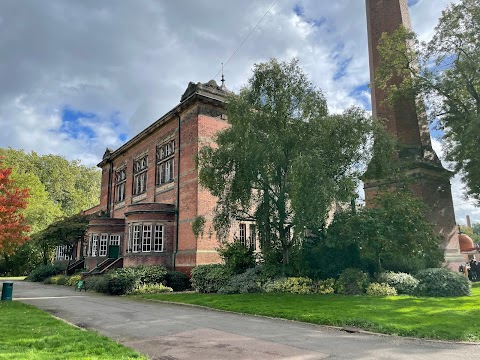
<point x="431" y="318"/>
<point x="29" y="333"/>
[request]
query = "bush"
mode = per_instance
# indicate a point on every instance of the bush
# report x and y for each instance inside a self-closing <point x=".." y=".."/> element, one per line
<point x="381" y="289"/>
<point x="177" y="280"/>
<point x="151" y="289"/>
<point x="121" y="281"/>
<point x="72" y="280"/>
<point x="293" y="285"/>
<point x="209" y="278"/>
<point x="326" y="286"/>
<point x="56" y="280"/>
<point x="237" y="257"/>
<point x="43" y="272"/>
<point x="352" y="282"/>
<point x="441" y="282"/>
<point x="96" y="283"/>
<point x="245" y="283"/>
<point x="150" y="274"/>
<point x="402" y="282"/>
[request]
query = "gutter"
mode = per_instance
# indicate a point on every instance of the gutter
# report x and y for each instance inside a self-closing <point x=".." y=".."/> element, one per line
<point x="109" y="193"/>
<point x="177" y="219"/>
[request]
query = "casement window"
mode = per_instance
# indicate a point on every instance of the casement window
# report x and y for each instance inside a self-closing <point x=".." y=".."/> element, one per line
<point x="242" y="234"/>
<point x="252" y="236"/>
<point x="103" y="245"/>
<point x="62" y="253"/>
<point x="158" y="238"/>
<point x="115" y="240"/>
<point x="136" y="232"/>
<point x="140" y="167"/>
<point x="130" y="235"/>
<point x="165" y="163"/>
<point x="146" y="237"/>
<point x="120" y="182"/>
<point x="95" y="238"/>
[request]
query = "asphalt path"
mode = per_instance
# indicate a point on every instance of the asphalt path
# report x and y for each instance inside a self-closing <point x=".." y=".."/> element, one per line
<point x="173" y="332"/>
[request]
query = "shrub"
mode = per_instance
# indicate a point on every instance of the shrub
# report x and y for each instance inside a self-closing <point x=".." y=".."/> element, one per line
<point x="121" y="281"/>
<point x="402" y="282"/>
<point x="245" y="283"/>
<point x="151" y="289"/>
<point x="237" y="257"/>
<point x="381" y="289"/>
<point x="177" y="280"/>
<point x="209" y="278"/>
<point x="96" y="283"/>
<point x="43" y="272"/>
<point x="56" y="280"/>
<point x="293" y="285"/>
<point x="150" y="274"/>
<point x="326" y="286"/>
<point x="72" y="280"/>
<point x="352" y="282"/>
<point x="441" y="282"/>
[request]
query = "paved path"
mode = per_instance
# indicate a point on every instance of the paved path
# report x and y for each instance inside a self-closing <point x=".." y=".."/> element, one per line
<point x="171" y="332"/>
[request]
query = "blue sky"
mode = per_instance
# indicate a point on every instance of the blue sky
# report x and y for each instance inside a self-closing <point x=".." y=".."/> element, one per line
<point x="82" y="76"/>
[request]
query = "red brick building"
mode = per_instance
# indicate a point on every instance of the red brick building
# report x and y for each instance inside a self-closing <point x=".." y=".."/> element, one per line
<point x="150" y="193"/>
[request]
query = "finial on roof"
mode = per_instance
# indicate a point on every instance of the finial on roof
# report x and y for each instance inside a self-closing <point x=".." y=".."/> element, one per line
<point x="223" y="80"/>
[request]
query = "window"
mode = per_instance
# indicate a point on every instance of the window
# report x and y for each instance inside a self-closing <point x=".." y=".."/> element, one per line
<point x="243" y="234"/>
<point x="158" y="238"/>
<point x="94" y="244"/>
<point x="62" y="253"/>
<point x="120" y="182"/>
<point x="140" y="167"/>
<point x="165" y="163"/>
<point x="115" y="240"/>
<point x="129" y="245"/>
<point x="252" y="237"/>
<point x="103" y="245"/>
<point x="136" y="238"/>
<point x="146" y="237"/>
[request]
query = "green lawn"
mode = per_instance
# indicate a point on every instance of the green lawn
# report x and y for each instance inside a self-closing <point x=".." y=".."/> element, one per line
<point x="28" y="333"/>
<point x="432" y="318"/>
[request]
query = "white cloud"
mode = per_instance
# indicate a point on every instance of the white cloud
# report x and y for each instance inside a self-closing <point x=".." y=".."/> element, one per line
<point x="129" y="63"/>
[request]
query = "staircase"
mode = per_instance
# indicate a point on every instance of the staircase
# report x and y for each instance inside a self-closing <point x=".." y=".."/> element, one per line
<point x="76" y="265"/>
<point x="106" y="265"/>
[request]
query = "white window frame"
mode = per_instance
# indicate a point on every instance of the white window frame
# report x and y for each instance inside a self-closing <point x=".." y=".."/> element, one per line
<point x="120" y="184"/>
<point x="115" y="239"/>
<point x="158" y="236"/>
<point x="95" y="238"/>
<point x="140" y="169"/>
<point x="103" y="245"/>
<point x="252" y="236"/>
<point x="136" y="237"/>
<point x="165" y="171"/>
<point x="147" y="237"/>
<point x="242" y="234"/>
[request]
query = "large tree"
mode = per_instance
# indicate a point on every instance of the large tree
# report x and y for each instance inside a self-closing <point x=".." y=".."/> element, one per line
<point x="284" y="160"/>
<point x="71" y="186"/>
<point x="13" y="200"/>
<point x="446" y="73"/>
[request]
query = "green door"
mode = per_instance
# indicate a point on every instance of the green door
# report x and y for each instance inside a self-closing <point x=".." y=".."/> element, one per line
<point x="113" y="251"/>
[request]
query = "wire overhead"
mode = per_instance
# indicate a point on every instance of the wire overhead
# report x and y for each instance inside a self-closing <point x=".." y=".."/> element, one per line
<point x="243" y="42"/>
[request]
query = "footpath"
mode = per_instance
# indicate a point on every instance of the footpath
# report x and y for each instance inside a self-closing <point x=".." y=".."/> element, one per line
<point x="175" y="332"/>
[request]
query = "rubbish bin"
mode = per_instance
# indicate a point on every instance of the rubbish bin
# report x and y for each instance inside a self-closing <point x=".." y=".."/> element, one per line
<point x="7" y="290"/>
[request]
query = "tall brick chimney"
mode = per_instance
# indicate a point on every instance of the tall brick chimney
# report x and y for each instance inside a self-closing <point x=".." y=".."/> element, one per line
<point x="469" y="224"/>
<point x="407" y="121"/>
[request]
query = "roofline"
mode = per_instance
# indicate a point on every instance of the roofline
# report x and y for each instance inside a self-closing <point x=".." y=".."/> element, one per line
<point x="177" y="109"/>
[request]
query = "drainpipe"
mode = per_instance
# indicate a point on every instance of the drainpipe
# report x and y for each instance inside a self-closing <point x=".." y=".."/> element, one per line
<point x="177" y="213"/>
<point x="109" y="192"/>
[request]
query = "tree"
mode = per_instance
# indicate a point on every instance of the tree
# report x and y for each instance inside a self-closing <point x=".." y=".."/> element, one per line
<point x="284" y="160"/>
<point x="391" y="235"/>
<point x="446" y="73"/>
<point x="65" y="232"/>
<point x="13" y="200"/>
<point x="71" y="186"/>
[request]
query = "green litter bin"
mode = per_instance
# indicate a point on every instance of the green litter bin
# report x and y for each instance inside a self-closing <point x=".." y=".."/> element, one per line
<point x="7" y="291"/>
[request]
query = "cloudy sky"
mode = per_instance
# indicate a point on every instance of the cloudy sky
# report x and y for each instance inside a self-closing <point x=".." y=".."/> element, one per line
<point x="80" y="76"/>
